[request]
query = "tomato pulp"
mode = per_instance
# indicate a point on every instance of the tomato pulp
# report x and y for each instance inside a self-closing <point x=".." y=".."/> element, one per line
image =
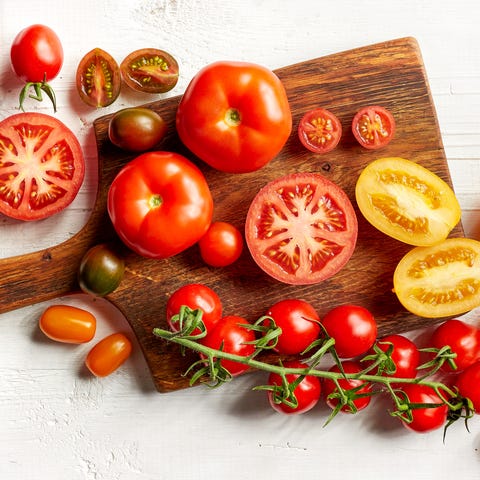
<point x="301" y="229"/>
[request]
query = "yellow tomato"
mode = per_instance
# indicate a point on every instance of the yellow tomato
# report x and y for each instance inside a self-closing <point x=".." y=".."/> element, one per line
<point x="407" y="201"/>
<point x="441" y="280"/>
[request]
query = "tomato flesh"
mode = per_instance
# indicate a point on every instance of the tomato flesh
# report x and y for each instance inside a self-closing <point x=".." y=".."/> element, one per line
<point x="407" y="201"/>
<point x="41" y="166"/>
<point x="319" y="130"/>
<point x="373" y="127"/>
<point x="440" y="281"/>
<point x="301" y="229"/>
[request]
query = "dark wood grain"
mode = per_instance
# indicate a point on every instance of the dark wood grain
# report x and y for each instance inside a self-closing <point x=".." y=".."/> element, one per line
<point x="390" y="74"/>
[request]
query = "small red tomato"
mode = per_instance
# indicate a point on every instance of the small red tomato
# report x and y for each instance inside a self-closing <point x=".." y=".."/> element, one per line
<point x="373" y="127"/>
<point x="319" y="130"/>
<point x="359" y="402"/>
<point x="108" y="354"/>
<point x="195" y="296"/>
<point x="468" y="384"/>
<point x="68" y="324"/>
<point x="221" y="245"/>
<point x="462" y="338"/>
<point x="424" y="419"/>
<point x="230" y="336"/>
<point x="353" y="327"/>
<point x="307" y="392"/>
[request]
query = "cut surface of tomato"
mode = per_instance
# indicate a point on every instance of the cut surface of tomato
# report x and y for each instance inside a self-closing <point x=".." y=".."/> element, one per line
<point x="441" y="280"/>
<point x="373" y="127"/>
<point x="301" y="229"/>
<point x="407" y="201"/>
<point x="319" y="130"/>
<point x="41" y="166"/>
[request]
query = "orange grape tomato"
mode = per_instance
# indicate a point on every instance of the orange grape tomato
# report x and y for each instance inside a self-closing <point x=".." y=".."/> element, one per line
<point x="108" y="354"/>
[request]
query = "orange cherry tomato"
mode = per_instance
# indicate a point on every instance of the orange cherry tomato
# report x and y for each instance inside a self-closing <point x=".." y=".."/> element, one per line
<point x="68" y="324"/>
<point x="108" y="354"/>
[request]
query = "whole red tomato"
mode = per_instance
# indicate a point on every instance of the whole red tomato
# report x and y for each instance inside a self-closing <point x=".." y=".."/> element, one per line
<point x="222" y="245"/>
<point x="235" y="116"/>
<point x="468" y="384"/>
<point x="160" y="204"/>
<point x="353" y="327"/>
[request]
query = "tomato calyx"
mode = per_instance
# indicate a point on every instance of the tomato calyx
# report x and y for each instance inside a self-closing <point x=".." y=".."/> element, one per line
<point x="233" y="117"/>
<point x="38" y="88"/>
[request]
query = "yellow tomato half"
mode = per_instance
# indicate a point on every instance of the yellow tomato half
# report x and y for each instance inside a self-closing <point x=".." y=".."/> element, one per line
<point x="407" y="201"/>
<point x="441" y="280"/>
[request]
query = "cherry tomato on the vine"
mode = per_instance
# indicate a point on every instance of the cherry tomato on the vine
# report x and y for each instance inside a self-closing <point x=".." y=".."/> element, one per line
<point x="299" y="322"/>
<point x="98" y="79"/>
<point x="150" y="70"/>
<point x="319" y="130"/>
<point x="301" y="229"/>
<point x="41" y="166"/>
<point x="195" y="296"/>
<point x="108" y="354"/>
<point x="230" y="336"/>
<point x="136" y="129"/>
<point x="222" y="245"/>
<point x="307" y="392"/>
<point x="462" y="338"/>
<point x="353" y="327"/>
<point x="68" y="324"/>
<point x="468" y="384"/>
<point x="373" y="127"/>
<point x="234" y="116"/>
<point x="160" y="204"/>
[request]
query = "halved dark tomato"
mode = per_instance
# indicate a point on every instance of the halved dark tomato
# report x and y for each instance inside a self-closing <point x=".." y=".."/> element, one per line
<point x="98" y="78"/>
<point x="441" y="280"/>
<point x="319" y="130"/>
<point x="41" y="166"/>
<point x="373" y="127"/>
<point x="407" y="201"/>
<point x="150" y="70"/>
<point x="301" y="228"/>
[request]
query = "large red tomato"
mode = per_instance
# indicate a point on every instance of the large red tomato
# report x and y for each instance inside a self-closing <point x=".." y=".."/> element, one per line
<point x="301" y="228"/>
<point x="41" y="166"/>
<point x="160" y="204"/>
<point x="235" y="116"/>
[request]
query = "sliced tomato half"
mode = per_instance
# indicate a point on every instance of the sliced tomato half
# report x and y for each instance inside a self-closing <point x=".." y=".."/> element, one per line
<point x="373" y="127"/>
<point x="41" y="166"/>
<point x="441" y="280"/>
<point x="319" y="130"/>
<point x="301" y="229"/>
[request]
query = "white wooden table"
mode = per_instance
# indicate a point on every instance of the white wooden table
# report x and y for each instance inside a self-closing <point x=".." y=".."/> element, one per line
<point x="58" y="422"/>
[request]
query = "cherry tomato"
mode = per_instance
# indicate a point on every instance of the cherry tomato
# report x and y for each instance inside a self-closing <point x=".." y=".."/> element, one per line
<point x="353" y="386"/>
<point x="222" y="245"/>
<point x="353" y="327"/>
<point x="108" y="354"/>
<point x="101" y="270"/>
<point x="440" y="281"/>
<point x="407" y="201"/>
<point x="195" y="296"/>
<point x="373" y="127"/>
<point x="36" y="55"/>
<point x="98" y="78"/>
<point x="299" y="322"/>
<point x="234" y="116"/>
<point x="68" y="324"/>
<point x="301" y="229"/>
<point x="160" y="204"/>
<point x="136" y="129"/>
<point x="468" y="384"/>
<point x="307" y="392"/>
<point x="424" y="419"/>
<point x="462" y="338"/>
<point x="150" y="70"/>
<point x="405" y="356"/>
<point x="41" y="166"/>
<point x="231" y="336"/>
<point x="319" y="130"/>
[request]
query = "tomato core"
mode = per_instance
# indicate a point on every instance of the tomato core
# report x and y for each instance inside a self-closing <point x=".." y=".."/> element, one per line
<point x="233" y="117"/>
<point x="155" y="201"/>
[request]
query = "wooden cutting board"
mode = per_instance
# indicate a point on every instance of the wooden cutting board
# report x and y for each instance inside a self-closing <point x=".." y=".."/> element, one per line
<point x="390" y="74"/>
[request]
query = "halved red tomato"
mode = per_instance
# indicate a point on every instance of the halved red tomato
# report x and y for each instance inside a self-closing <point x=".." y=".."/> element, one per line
<point x="373" y="127"/>
<point x="41" y="166"/>
<point x="319" y="130"/>
<point x="301" y="228"/>
<point x="407" y="201"/>
<point x="441" y="280"/>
